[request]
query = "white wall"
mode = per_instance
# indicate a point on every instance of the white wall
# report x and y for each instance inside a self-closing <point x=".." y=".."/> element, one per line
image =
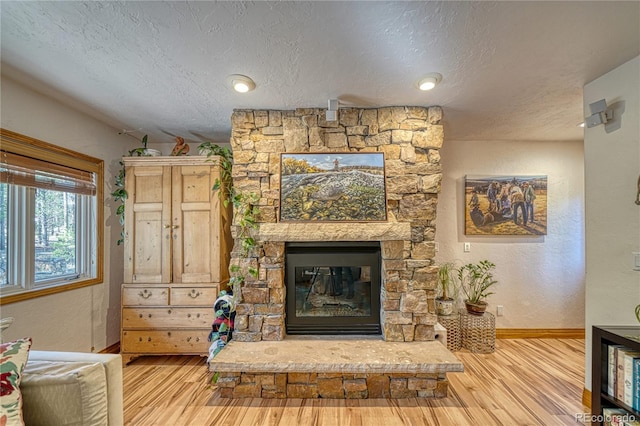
<point x="86" y="318"/>
<point x="612" y="167"/>
<point x="540" y="278"/>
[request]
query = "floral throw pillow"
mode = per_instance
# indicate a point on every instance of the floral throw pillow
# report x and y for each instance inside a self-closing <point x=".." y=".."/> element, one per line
<point x="13" y="358"/>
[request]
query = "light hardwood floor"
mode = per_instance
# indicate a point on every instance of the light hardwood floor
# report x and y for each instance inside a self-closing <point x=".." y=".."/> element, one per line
<point x="525" y="382"/>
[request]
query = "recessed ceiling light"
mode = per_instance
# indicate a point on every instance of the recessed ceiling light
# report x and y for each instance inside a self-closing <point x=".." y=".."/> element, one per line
<point x="429" y="81"/>
<point x="241" y="83"/>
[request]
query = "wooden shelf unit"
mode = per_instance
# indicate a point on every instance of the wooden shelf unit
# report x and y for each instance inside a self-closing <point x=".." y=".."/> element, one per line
<point x="602" y="337"/>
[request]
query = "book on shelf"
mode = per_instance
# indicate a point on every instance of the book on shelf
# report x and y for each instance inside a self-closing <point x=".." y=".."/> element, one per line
<point x="612" y="361"/>
<point x="630" y="385"/>
<point x="636" y="385"/>
<point x="618" y="417"/>
<point x="613" y="416"/>
<point x="635" y="421"/>
<point x="624" y="378"/>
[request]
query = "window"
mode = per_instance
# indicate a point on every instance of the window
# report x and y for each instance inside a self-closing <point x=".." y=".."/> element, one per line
<point x="50" y="218"/>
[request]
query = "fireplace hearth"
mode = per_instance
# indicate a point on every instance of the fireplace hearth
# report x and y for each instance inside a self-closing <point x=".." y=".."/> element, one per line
<point x="333" y="288"/>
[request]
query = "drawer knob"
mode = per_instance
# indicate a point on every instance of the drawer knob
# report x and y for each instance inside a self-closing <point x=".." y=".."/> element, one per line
<point x="188" y="315"/>
<point x="194" y="293"/>
<point x="197" y="339"/>
<point x="145" y="294"/>
<point x="169" y="333"/>
<point x="169" y="311"/>
<point x="140" y="315"/>
<point x="149" y="315"/>
<point x="188" y="339"/>
<point x="197" y="315"/>
<point x="149" y="339"/>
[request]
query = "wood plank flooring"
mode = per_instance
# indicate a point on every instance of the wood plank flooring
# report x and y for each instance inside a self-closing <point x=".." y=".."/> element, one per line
<point x="525" y="382"/>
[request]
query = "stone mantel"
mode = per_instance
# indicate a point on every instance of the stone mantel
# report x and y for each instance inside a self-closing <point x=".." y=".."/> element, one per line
<point x="289" y="232"/>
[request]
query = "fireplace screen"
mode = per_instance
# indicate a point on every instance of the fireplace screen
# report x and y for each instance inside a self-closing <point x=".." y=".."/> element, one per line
<point x="333" y="288"/>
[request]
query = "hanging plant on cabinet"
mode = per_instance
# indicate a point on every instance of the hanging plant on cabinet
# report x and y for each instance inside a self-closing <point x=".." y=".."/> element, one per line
<point x="120" y="193"/>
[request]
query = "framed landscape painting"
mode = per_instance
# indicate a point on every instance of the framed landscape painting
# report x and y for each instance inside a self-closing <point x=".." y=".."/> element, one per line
<point x="332" y="187"/>
<point x="505" y="205"/>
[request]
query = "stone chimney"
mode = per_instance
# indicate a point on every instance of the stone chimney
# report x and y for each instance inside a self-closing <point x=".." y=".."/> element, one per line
<point x="410" y="138"/>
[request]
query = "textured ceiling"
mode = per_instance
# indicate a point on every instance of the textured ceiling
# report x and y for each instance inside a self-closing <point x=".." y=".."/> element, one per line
<point x="512" y="70"/>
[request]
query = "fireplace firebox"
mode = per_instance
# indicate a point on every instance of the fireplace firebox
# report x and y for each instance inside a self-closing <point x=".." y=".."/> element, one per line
<point x="333" y="288"/>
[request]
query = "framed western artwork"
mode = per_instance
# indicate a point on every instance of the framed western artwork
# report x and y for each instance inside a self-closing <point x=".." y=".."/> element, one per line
<point x="505" y="205"/>
<point x="332" y="187"/>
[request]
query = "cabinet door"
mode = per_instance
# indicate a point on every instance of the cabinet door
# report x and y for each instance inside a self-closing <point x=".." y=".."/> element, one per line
<point x="147" y="240"/>
<point x="195" y="224"/>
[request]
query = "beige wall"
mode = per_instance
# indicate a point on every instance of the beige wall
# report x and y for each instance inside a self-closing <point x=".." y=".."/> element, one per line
<point x="86" y="318"/>
<point x="541" y="278"/>
<point x="612" y="166"/>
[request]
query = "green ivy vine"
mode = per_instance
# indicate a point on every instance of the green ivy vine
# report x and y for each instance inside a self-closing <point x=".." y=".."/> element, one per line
<point x="246" y="212"/>
<point x="120" y="193"/>
<point x="244" y="206"/>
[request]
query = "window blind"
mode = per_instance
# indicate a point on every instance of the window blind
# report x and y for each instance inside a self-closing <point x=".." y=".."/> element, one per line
<point x="21" y="170"/>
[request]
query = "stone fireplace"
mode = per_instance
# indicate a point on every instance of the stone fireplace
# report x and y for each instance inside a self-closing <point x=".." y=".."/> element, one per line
<point x="410" y="138"/>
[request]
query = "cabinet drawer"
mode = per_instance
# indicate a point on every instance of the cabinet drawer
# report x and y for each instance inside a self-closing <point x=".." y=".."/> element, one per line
<point x="194" y="296"/>
<point x="166" y="341"/>
<point x="168" y="317"/>
<point x="145" y="296"/>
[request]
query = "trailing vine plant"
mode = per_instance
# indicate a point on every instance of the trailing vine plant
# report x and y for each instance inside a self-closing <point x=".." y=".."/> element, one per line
<point x="120" y="193"/>
<point x="246" y="219"/>
<point x="244" y="205"/>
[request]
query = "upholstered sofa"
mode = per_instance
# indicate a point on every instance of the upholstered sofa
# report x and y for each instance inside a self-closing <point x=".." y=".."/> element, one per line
<point x="72" y="388"/>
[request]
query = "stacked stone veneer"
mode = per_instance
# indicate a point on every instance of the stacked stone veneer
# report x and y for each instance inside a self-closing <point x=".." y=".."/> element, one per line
<point x="410" y="138"/>
<point x="332" y="385"/>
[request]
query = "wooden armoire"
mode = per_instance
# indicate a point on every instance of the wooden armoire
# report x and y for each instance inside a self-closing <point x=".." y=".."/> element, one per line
<point x="177" y="246"/>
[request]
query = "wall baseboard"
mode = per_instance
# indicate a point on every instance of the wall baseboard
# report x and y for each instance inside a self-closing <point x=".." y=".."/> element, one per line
<point x="113" y="349"/>
<point x="540" y="333"/>
<point x="586" y="398"/>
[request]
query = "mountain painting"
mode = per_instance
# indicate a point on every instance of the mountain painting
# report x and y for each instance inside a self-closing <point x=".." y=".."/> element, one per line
<point x="332" y="187"/>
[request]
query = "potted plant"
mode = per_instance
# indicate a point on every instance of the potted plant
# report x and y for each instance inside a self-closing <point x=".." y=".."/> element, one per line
<point x="475" y="281"/>
<point x="143" y="151"/>
<point x="447" y="289"/>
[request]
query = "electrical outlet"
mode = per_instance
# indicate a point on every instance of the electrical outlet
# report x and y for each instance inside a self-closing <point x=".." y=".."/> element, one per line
<point x="499" y="310"/>
<point x="467" y="247"/>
